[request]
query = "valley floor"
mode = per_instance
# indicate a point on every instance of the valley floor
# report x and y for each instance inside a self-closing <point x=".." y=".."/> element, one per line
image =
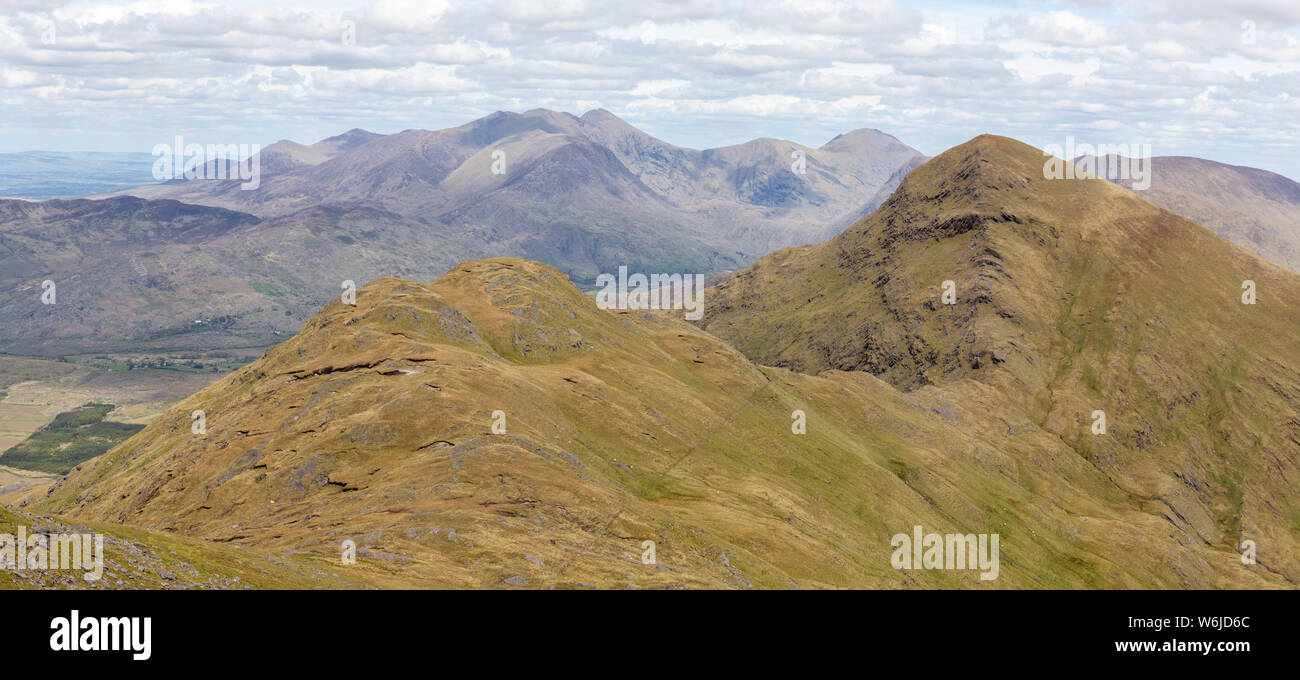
<point x="33" y="391"/>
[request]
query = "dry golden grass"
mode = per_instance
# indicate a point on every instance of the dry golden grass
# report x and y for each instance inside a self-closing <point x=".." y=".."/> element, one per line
<point x="374" y="423"/>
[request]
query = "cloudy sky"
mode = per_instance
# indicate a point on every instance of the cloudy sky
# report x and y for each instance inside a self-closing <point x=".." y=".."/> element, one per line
<point x="1206" y="78"/>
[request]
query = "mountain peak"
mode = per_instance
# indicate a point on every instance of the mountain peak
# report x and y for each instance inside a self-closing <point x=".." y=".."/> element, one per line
<point x="354" y="133"/>
<point x="865" y="141"/>
<point x="601" y="115"/>
<point x="997" y="176"/>
<point x="347" y="141"/>
<point x="990" y="146"/>
<point x="983" y="216"/>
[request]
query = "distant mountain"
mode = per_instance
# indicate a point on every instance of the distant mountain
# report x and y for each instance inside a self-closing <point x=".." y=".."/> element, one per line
<point x="39" y="175"/>
<point x="204" y="264"/>
<point x="137" y="275"/>
<point x="1255" y="209"/>
<point x="1073" y="301"/>
<point x="585" y="194"/>
<point x="287" y="156"/>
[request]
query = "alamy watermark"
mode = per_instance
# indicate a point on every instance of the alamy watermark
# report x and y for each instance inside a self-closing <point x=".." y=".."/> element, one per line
<point x="656" y="291"/>
<point x="1107" y="161"/>
<point x="77" y="633"/>
<point x="950" y="551"/>
<point x="59" y="552"/>
<point x="214" y="161"/>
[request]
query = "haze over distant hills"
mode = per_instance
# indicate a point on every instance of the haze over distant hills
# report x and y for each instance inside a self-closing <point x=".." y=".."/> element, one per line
<point x="579" y="192"/>
<point x="1255" y="209"/>
<point x="585" y="194"/>
<point x="38" y="175"/>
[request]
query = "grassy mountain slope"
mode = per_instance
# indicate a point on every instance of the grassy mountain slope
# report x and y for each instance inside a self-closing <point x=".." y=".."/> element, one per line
<point x="1072" y="296"/>
<point x="137" y="559"/>
<point x="376" y="422"/>
<point x="1255" y="209"/>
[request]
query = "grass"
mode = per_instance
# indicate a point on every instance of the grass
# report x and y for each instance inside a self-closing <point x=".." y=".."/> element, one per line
<point x="1072" y="509"/>
<point x="1115" y="307"/>
<point x="192" y="563"/>
<point x="72" y="438"/>
<point x="14" y="370"/>
<point x="900" y="469"/>
<point x="268" y="289"/>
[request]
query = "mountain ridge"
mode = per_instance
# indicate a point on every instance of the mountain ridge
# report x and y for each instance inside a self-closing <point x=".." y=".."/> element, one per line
<point x="315" y="443"/>
<point x="746" y="196"/>
<point x="1253" y="208"/>
<point x="495" y="428"/>
<point x="1071" y="297"/>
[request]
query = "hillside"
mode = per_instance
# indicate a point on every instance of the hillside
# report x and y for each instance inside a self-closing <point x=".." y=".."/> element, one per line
<point x="1071" y="296"/>
<point x="376" y="422"/>
<point x="135" y="559"/>
<point x="1255" y="209"/>
<point x="142" y="275"/>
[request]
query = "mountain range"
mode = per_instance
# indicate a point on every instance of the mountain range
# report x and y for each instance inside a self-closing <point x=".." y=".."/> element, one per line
<point x="952" y="356"/>
<point x="578" y="192"/>
<point x="203" y="263"/>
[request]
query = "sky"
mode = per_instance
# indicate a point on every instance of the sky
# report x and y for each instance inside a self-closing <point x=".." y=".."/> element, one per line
<point x="1207" y="78"/>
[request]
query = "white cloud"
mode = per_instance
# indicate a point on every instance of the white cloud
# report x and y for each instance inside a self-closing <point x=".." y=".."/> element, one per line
<point x="828" y="17"/>
<point x="1167" y="49"/>
<point x="406" y="16"/>
<point x="1066" y="28"/>
<point x="650" y="88"/>
<point x="18" y="78"/>
<point x="931" y="38"/>
<point x="700" y="73"/>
